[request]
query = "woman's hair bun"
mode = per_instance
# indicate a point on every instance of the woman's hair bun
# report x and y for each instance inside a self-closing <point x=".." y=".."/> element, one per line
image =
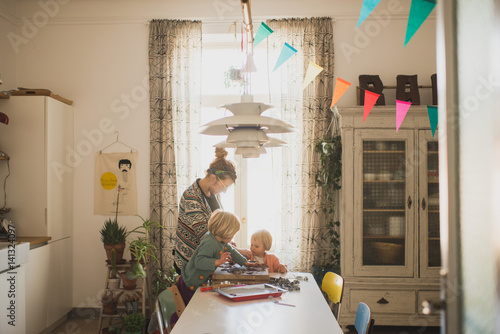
<point x="220" y="153"/>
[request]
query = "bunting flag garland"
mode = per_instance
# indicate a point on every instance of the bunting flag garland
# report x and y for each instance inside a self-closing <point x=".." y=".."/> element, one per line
<point x="370" y="100"/>
<point x="286" y="52"/>
<point x="262" y="33"/>
<point x="312" y="72"/>
<point x="433" y="118"/>
<point x="340" y="88"/>
<point x="367" y="7"/>
<point x="419" y="11"/>
<point x="401" y="110"/>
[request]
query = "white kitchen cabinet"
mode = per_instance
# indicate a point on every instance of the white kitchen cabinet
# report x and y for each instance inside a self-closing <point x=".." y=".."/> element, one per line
<point x="37" y="281"/>
<point x="60" y="285"/>
<point x="390" y="256"/>
<point x="48" y="290"/>
<point x="38" y="140"/>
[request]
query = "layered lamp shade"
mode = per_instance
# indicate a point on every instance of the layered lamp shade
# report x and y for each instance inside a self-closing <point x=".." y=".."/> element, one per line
<point x="247" y="130"/>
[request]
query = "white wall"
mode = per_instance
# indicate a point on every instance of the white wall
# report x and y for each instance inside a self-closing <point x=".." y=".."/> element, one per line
<point x="96" y="53"/>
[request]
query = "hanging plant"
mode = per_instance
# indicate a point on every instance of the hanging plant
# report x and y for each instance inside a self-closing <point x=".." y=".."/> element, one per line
<point x="328" y="177"/>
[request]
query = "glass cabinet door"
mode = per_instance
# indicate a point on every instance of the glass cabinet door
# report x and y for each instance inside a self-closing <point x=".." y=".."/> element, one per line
<point x="429" y="204"/>
<point x="383" y="219"/>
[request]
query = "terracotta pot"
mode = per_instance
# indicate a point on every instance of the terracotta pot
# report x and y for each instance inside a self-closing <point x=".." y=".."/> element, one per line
<point x="128" y="284"/>
<point x="119" y="249"/>
<point x="110" y="309"/>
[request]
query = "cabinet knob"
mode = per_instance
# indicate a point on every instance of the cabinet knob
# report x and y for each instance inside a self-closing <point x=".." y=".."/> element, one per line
<point x="382" y="301"/>
<point x="409" y="202"/>
<point x="423" y="203"/>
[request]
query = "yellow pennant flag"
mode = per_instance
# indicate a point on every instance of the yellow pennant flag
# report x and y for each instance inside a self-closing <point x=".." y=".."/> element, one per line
<point x="312" y="72"/>
<point x="340" y="89"/>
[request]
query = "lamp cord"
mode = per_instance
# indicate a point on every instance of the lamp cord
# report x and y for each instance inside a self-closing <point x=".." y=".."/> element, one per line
<point x="5" y="185"/>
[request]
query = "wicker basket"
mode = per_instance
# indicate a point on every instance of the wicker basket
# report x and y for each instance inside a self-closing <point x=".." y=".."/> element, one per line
<point x="387" y="253"/>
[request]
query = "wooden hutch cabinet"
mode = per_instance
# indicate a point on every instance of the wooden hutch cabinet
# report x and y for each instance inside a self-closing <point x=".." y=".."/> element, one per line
<point x="390" y="250"/>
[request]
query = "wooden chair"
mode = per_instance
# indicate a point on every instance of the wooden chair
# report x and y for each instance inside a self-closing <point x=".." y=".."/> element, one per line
<point x="333" y="286"/>
<point x="363" y="322"/>
<point x="168" y="302"/>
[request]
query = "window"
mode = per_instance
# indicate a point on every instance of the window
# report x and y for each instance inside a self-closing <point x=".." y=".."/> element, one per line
<point x="256" y="197"/>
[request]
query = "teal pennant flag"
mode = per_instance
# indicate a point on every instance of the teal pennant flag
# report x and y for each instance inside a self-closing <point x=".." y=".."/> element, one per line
<point x="433" y="118"/>
<point x="419" y="11"/>
<point x="366" y="9"/>
<point x="262" y="33"/>
<point x="286" y="52"/>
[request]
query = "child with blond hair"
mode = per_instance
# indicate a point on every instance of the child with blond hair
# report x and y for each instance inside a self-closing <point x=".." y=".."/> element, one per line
<point x="261" y="242"/>
<point x="214" y="250"/>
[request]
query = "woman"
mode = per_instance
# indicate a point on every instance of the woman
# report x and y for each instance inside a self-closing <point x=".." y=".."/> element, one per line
<point x="197" y="204"/>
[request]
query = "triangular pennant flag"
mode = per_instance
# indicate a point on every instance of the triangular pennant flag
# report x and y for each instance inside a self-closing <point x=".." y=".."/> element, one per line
<point x="312" y="72"/>
<point x="262" y="33"/>
<point x="401" y="110"/>
<point x="286" y="52"/>
<point x="250" y="65"/>
<point x="419" y="11"/>
<point x="340" y="88"/>
<point x="370" y="100"/>
<point x="433" y="118"/>
<point x="367" y="7"/>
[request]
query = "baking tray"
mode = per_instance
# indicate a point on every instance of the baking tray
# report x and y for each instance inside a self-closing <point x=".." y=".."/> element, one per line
<point x="250" y="292"/>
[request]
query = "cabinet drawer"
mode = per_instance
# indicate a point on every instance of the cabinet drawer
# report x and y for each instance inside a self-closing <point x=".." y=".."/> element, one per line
<point x="384" y="301"/>
<point x="426" y="295"/>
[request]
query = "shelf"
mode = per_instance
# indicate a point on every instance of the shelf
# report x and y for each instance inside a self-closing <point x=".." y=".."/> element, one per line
<point x="392" y="152"/>
<point x="384" y="236"/>
<point x="4" y="96"/>
<point x="4" y="158"/>
<point x="384" y="181"/>
<point x="384" y="210"/>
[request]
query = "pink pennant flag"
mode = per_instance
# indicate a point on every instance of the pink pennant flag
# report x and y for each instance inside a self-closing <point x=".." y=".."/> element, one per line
<point x="370" y="100"/>
<point x="340" y="88"/>
<point x="401" y="110"/>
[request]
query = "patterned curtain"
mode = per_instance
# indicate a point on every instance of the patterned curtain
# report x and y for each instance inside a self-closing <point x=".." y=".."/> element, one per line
<point x="175" y="104"/>
<point x="303" y="214"/>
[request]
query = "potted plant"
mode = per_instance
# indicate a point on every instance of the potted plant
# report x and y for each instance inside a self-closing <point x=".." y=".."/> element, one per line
<point x="114" y="279"/>
<point x="113" y="235"/>
<point x="162" y="281"/>
<point x="111" y="330"/>
<point x="131" y="303"/>
<point x="133" y="323"/>
<point x="141" y="250"/>
<point x="109" y="301"/>
<point x="328" y="177"/>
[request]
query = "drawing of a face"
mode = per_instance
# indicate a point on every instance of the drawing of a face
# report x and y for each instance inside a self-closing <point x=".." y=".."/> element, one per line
<point x="124" y="165"/>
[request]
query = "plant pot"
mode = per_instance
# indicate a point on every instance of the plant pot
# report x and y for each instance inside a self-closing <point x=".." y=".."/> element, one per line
<point x="131" y="307"/>
<point x="110" y="309"/>
<point x="113" y="283"/>
<point x="119" y="248"/>
<point x="128" y="284"/>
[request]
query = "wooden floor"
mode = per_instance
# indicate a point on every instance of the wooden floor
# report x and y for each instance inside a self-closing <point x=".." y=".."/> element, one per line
<point x="88" y="325"/>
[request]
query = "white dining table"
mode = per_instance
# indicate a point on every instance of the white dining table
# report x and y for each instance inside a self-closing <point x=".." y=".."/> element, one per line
<point x="208" y="312"/>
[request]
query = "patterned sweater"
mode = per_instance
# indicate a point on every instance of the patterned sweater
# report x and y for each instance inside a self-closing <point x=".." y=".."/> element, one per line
<point x="197" y="271"/>
<point x="194" y="213"/>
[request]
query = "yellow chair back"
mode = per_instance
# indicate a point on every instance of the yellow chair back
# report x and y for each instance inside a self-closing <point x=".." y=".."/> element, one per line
<point x="333" y="286"/>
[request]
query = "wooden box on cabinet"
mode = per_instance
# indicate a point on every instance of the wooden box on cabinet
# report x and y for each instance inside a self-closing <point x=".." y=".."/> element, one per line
<point x="390" y="257"/>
